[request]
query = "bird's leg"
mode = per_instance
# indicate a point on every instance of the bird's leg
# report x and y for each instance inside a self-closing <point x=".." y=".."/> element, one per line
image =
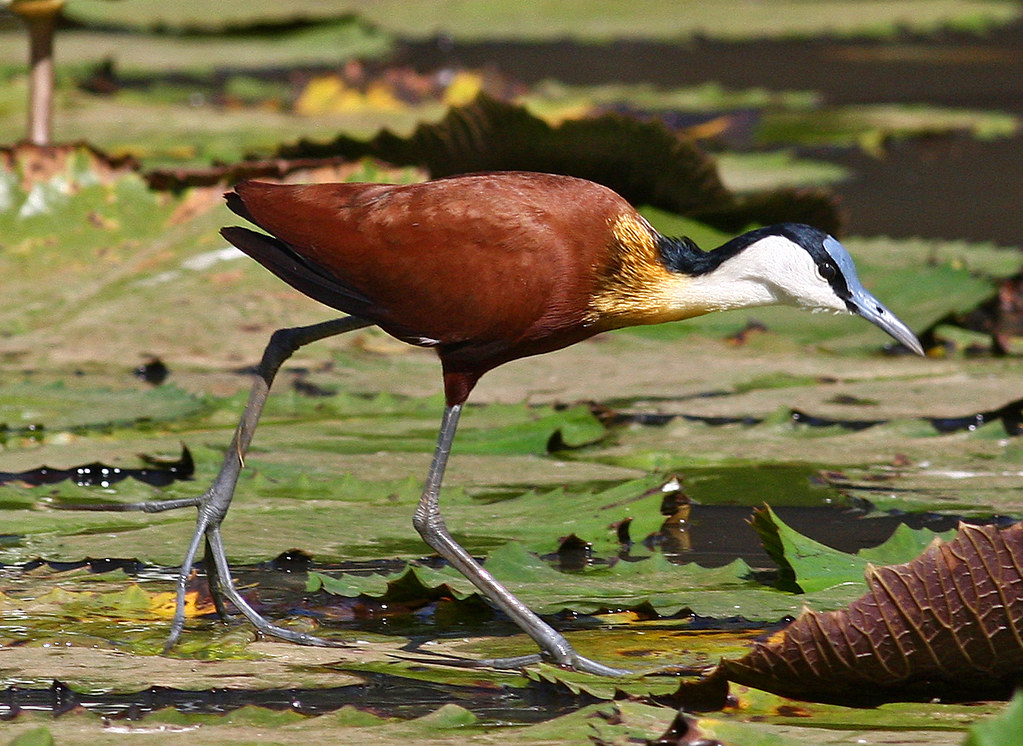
<point x="430" y="525"/>
<point x="214" y="503"/>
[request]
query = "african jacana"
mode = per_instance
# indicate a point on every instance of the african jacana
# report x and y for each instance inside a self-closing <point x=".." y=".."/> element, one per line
<point x="488" y="268"/>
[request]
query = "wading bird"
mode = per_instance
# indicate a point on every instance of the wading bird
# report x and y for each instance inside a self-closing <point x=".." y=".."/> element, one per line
<point x="485" y="269"/>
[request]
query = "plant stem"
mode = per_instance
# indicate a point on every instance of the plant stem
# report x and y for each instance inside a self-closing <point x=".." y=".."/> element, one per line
<point x="40" y="16"/>
<point x="40" y="109"/>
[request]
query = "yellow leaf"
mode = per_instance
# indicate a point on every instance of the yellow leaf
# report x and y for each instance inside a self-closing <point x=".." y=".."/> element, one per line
<point x="329" y="94"/>
<point x="162" y="604"/>
<point x="380" y="97"/>
<point x="321" y="95"/>
<point x="463" y="88"/>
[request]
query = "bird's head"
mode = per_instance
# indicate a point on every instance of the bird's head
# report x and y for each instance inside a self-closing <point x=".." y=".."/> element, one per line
<point x="802" y="266"/>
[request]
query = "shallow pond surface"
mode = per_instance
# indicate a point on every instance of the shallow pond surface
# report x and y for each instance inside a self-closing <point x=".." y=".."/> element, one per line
<point x="337" y="477"/>
<point x="933" y="187"/>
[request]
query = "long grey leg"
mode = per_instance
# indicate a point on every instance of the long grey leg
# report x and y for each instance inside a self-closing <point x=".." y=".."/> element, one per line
<point x="213" y="505"/>
<point x="430" y="525"/>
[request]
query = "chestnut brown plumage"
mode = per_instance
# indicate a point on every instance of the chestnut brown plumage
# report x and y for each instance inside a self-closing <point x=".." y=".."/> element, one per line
<point x="485" y="269"/>
<point x="519" y="247"/>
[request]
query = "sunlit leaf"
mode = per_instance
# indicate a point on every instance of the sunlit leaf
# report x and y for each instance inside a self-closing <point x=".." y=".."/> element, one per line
<point x="492" y="20"/>
<point x="463" y="88"/>
<point x="58" y="406"/>
<point x="655" y="581"/>
<point x="870" y="125"/>
<point x="903" y="545"/>
<point x="100" y="271"/>
<point x="448" y="717"/>
<point x="807" y="566"/>
<point x="330" y="93"/>
<point x="1001" y="730"/>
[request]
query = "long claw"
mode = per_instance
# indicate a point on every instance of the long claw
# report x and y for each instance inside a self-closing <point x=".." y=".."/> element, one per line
<point x="144" y="506"/>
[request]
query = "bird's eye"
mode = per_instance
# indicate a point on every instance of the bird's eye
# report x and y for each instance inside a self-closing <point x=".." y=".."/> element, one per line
<point x="827" y="271"/>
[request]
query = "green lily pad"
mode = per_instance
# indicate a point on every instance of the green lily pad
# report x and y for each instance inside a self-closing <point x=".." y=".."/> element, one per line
<point x="654" y="581"/>
<point x="807" y="566"/>
<point x="1002" y="729"/>
<point x="870" y="125"/>
<point x="34" y="737"/>
<point x="32" y="410"/>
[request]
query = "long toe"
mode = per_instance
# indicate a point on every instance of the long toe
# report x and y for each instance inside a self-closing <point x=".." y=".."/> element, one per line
<point x="302" y="638"/>
<point x="585" y="665"/>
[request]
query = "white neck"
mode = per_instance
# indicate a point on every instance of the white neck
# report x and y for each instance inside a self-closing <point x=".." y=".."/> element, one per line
<point x="723" y="290"/>
<point x="773" y="270"/>
<point x="768" y="272"/>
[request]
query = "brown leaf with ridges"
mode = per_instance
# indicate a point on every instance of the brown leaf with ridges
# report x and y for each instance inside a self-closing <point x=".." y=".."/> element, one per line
<point x="948" y="624"/>
<point x="645" y="162"/>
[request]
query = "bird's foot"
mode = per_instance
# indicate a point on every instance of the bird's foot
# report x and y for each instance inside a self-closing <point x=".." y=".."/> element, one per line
<point x="262" y="625"/>
<point x="269" y="630"/>
<point x="222" y="589"/>
<point x="554" y="648"/>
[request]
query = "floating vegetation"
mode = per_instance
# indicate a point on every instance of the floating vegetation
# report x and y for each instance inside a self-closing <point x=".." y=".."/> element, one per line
<point x="154" y="371"/>
<point x="1010" y="415"/>
<point x="158" y="473"/>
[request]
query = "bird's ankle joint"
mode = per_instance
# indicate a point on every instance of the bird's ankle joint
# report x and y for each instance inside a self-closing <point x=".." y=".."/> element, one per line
<point x="563" y="654"/>
<point x="284" y="339"/>
<point x="211" y="513"/>
<point x="429" y="524"/>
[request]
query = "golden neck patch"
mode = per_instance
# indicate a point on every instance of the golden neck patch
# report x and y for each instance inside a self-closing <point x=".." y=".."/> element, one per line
<point x="633" y="286"/>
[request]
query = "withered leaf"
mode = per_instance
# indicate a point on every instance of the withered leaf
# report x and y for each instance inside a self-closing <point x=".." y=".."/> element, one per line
<point x="947" y="624"/>
<point x="645" y="162"/>
<point x="39" y="164"/>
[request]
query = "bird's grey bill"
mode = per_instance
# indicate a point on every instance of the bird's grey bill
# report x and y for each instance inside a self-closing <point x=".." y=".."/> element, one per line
<point x="870" y="308"/>
<point x="865" y="304"/>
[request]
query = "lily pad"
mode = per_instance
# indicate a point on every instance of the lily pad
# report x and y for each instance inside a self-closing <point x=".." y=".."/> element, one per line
<point x="808" y="566"/>
<point x="1001" y="729"/>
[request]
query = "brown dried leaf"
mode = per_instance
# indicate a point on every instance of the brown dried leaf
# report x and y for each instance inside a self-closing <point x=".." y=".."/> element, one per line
<point x="645" y="162"/>
<point x="293" y="170"/>
<point x="949" y="623"/>
<point x="39" y="164"/>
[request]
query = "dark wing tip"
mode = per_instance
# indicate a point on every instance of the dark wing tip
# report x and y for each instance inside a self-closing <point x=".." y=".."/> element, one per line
<point x="236" y="204"/>
<point x="236" y="199"/>
<point x="278" y="257"/>
<point x="242" y="237"/>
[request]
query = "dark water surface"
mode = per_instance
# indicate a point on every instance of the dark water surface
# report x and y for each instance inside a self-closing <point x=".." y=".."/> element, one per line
<point x="935" y="187"/>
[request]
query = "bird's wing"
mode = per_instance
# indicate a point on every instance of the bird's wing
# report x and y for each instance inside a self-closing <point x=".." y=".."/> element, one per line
<point x="288" y="265"/>
<point x="491" y="262"/>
